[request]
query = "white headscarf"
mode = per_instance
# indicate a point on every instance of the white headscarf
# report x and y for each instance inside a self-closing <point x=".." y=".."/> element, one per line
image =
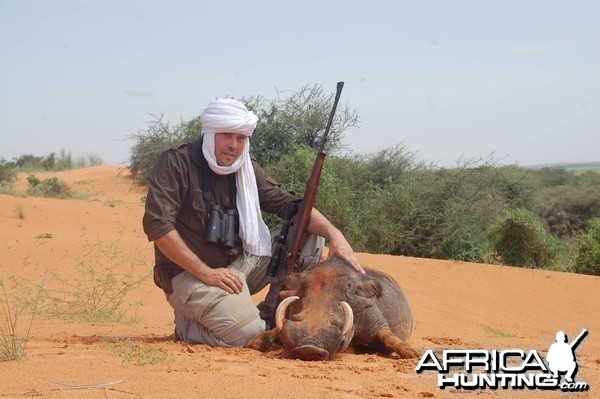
<point x="229" y="115"/>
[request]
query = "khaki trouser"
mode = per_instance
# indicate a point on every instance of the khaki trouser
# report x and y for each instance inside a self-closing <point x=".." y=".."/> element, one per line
<point x="210" y="315"/>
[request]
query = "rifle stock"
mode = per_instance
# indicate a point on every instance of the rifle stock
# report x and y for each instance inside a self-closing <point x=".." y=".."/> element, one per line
<point x="296" y="236"/>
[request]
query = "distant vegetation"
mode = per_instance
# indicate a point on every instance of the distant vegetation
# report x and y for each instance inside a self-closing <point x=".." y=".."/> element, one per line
<point x="576" y="167"/>
<point x="52" y="187"/>
<point x="63" y="161"/>
<point x="391" y="202"/>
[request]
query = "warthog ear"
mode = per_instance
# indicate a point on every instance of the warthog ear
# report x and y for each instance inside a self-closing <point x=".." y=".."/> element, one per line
<point x="368" y="288"/>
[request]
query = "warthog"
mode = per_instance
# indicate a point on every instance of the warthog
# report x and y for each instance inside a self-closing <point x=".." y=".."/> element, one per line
<point x="332" y="306"/>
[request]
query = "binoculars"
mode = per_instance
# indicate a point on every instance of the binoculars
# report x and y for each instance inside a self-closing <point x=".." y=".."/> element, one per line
<point x="221" y="228"/>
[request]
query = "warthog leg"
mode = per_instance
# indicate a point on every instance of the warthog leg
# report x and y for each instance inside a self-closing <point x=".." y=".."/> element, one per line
<point x="265" y="341"/>
<point x="392" y="343"/>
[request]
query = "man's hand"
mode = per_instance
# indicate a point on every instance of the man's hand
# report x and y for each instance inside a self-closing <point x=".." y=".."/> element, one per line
<point x="173" y="246"/>
<point x="222" y="278"/>
<point x="339" y="247"/>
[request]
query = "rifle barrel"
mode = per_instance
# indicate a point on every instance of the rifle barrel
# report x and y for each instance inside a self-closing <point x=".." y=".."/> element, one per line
<point x="338" y="93"/>
<point x="577" y="339"/>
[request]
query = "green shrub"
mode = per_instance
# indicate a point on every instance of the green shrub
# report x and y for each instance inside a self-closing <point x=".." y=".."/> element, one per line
<point x="8" y="172"/>
<point x="381" y="220"/>
<point x="452" y="211"/>
<point x="49" y="188"/>
<point x="33" y="181"/>
<point x="335" y="197"/>
<point x="588" y="254"/>
<point x="520" y="239"/>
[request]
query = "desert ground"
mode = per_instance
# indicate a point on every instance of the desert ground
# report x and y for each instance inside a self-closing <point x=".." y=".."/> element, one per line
<point x="455" y="305"/>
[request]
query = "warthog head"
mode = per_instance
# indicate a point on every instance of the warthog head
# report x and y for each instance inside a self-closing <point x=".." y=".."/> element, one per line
<point x="316" y="319"/>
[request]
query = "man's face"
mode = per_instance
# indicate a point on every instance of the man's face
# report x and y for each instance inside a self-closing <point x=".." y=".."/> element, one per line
<point x="228" y="147"/>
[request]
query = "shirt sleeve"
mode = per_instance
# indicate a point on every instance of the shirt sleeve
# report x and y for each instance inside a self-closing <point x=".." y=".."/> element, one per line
<point x="167" y="184"/>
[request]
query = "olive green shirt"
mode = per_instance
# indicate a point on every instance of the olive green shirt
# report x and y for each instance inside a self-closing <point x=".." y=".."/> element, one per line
<point x="175" y="201"/>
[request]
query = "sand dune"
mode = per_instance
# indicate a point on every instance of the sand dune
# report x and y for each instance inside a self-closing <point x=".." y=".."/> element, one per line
<point x="455" y="305"/>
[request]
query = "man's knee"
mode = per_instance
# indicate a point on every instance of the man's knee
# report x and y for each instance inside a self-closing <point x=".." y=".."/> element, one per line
<point x="234" y="320"/>
<point x="244" y="334"/>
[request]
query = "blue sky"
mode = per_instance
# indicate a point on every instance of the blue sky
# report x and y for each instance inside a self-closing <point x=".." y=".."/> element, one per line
<point x="450" y="80"/>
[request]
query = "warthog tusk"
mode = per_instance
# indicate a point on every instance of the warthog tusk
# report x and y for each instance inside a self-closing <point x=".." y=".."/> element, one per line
<point x="348" y="318"/>
<point x="280" y="312"/>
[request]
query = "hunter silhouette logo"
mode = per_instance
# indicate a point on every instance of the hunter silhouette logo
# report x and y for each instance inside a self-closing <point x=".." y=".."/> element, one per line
<point x="510" y="368"/>
<point x="561" y="355"/>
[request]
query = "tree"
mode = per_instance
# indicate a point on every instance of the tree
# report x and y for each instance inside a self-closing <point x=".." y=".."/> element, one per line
<point x="297" y="118"/>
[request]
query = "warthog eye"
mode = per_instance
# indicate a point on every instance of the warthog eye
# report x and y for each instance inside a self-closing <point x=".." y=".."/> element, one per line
<point x="295" y="317"/>
<point x="349" y="289"/>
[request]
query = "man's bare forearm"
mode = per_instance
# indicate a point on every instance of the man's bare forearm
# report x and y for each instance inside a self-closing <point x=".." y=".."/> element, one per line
<point x="173" y="246"/>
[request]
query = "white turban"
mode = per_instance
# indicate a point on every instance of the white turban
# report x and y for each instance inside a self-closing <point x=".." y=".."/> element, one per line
<point x="228" y="115"/>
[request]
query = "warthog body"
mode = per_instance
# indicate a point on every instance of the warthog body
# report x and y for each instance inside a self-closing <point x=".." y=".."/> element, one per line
<point x="332" y="306"/>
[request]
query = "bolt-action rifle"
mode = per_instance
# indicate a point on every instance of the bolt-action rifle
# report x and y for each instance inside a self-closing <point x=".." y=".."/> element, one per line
<point x="288" y="243"/>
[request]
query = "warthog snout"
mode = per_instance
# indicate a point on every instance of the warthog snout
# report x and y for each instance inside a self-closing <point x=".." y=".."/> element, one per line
<point x="316" y="343"/>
